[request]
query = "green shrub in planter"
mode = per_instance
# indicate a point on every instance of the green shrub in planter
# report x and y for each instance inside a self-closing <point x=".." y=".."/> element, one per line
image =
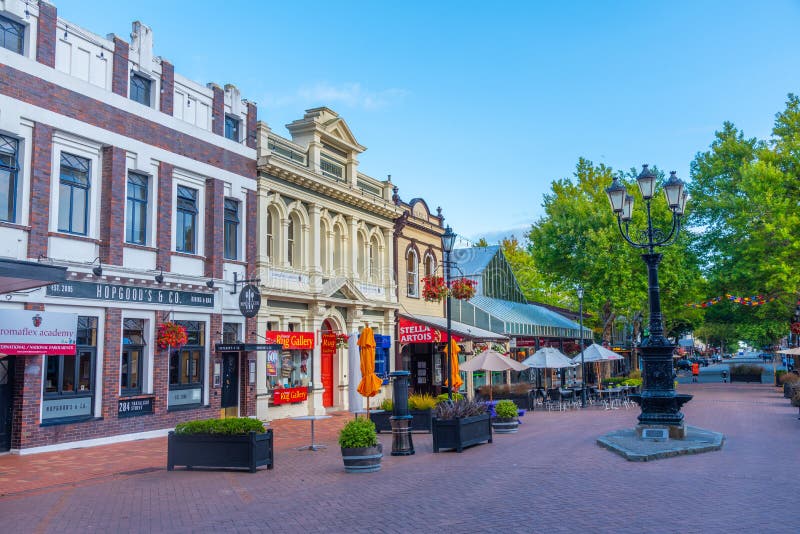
<point x="230" y="427"/>
<point x="632" y="382"/>
<point x="359" y="432"/>
<point x="506" y="409"/>
<point x="443" y="397"/>
<point x="387" y="405"/>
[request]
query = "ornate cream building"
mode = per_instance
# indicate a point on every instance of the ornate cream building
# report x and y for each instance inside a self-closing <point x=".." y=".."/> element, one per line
<point x="325" y="263"/>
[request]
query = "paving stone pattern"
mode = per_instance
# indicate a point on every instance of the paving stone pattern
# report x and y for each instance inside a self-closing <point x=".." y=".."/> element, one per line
<point x="549" y="477"/>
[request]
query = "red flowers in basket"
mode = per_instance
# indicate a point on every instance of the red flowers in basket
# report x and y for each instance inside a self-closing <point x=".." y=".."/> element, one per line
<point x="463" y="288"/>
<point x="433" y="288"/>
<point x="795" y="328"/>
<point x="341" y="341"/>
<point x="171" y="335"/>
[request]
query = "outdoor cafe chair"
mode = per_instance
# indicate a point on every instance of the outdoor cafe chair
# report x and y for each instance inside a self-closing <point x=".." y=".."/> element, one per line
<point x="568" y="398"/>
<point x="554" y="399"/>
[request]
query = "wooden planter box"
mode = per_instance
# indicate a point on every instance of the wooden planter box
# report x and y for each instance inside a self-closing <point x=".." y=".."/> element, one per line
<point x="459" y="433"/>
<point x="421" y="421"/>
<point x="247" y="451"/>
<point x="746" y="378"/>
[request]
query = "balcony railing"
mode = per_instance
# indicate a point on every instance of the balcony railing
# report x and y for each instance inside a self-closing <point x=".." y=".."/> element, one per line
<point x="284" y="150"/>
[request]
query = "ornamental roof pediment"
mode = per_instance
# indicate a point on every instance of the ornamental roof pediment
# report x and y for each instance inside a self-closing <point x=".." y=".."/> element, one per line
<point x="329" y="126"/>
<point x="342" y="288"/>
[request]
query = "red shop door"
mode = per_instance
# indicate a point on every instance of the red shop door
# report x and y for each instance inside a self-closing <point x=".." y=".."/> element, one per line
<point x="326" y="370"/>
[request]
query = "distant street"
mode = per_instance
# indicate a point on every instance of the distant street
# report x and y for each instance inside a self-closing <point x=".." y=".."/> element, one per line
<point x="713" y="373"/>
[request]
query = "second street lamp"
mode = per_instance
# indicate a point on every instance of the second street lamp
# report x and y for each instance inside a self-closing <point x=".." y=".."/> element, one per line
<point x="660" y="404"/>
<point x="448" y="240"/>
<point x="579" y="290"/>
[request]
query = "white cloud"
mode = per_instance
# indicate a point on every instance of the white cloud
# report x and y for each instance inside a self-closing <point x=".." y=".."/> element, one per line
<point x="348" y="95"/>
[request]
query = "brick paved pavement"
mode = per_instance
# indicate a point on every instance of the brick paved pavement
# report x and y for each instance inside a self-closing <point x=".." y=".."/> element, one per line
<point x="549" y="477"/>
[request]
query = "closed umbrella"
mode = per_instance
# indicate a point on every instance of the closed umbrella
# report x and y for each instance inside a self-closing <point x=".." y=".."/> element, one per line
<point x="455" y="375"/>
<point x="370" y="383"/>
<point x="490" y="360"/>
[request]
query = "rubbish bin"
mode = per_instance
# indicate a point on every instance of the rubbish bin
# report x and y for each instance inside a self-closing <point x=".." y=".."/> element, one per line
<point x="725" y="376"/>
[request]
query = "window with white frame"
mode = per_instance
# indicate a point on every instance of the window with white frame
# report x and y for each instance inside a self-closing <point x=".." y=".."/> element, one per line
<point x="231" y="232"/>
<point x="131" y="371"/>
<point x="291" y="255"/>
<point x="73" y="194"/>
<point x="9" y="175"/>
<point x="186" y="212"/>
<point x="136" y="219"/>
<point x="232" y="128"/>
<point x="69" y="382"/>
<point x="430" y="265"/>
<point x="270" y="234"/>
<point x="412" y="273"/>
<point x="12" y="35"/>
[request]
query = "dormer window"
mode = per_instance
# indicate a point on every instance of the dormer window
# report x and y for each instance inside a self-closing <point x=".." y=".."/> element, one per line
<point x="232" y="128"/>
<point x="140" y="89"/>
<point x="12" y="35"/>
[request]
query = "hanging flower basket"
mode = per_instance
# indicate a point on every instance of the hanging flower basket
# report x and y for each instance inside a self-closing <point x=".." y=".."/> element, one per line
<point x="795" y="328"/>
<point x="463" y="288"/>
<point x="171" y="335"/>
<point x="341" y="341"/>
<point x="434" y="288"/>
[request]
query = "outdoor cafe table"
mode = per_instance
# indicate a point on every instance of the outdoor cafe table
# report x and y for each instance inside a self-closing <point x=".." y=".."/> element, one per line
<point x="312" y="418"/>
<point x="610" y="394"/>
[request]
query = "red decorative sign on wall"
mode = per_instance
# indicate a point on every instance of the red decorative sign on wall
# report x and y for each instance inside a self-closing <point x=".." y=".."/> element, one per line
<point x="292" y="340"/>
<point x="328" y="346"/>
<point x="411" y="332"/>
<point x="289" y="395"/>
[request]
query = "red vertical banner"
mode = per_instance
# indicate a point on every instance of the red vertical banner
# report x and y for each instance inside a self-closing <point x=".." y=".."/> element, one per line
<point x="327" y="350"/>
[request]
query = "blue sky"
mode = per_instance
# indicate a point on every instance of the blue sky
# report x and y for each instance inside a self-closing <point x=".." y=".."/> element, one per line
<point x="478" y="106"/>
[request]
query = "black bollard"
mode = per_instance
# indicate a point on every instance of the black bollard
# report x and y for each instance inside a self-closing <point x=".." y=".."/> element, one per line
<point x="402" y="444"/>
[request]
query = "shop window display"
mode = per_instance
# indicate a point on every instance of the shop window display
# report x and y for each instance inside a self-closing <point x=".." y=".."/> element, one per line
<point x="293" y="369"/>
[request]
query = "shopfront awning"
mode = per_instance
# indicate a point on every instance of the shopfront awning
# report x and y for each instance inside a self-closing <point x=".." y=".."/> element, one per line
<point x="18" y="275"/>
<point x="464" y="331"/>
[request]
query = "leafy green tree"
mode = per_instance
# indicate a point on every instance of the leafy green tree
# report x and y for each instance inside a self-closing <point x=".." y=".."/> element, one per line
<point x="577" y="241"/>
<point x="532" y="282"/>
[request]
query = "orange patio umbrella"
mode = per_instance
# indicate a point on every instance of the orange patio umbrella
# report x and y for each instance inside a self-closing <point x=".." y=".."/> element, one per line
<point x="455" y="375"/>
<point x="370" y="384"/>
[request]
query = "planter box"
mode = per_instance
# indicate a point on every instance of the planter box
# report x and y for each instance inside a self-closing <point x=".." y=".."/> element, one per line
<point x="421" y="421"/>
<point x="211" y="450"/>
<point x="746" y="378"/>
<point x="459" y="433"/>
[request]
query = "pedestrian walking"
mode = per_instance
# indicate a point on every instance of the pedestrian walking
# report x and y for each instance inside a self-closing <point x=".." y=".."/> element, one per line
<point x="695" y="372"/>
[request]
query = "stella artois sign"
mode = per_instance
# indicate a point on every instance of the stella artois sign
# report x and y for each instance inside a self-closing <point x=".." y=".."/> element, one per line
<point x="26" y="333"/>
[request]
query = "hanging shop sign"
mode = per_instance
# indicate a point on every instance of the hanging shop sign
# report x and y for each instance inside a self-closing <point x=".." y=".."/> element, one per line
<point x="289" y="395"/>
<point x="246" y="347"/>
<point x="411" y="332"/>
<point x="25" y="332"/>
<point x="292" y="340"/>
<point x="249" y="301"/>
<point x="524" y="341"/>
<point x="127" y="293"/>
<point x="328" y="346"/>
<point x="134" y="407"/>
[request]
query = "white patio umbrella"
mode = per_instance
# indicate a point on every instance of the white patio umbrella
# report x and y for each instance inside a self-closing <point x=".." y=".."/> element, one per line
<point x="595" y="353"/>
<point x="548" y="358"/>
<point x="490" y="360"/>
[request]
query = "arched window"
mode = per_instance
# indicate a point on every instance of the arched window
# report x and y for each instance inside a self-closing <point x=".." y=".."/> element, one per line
<point x="290" y="242"/>
<point x="362" y="256"/>
<point x="412" y="273"/>
<point x="375" y="266"/>
<point x="323" y="247"/>
<point x="270" y="233"/>
<point x="338" y="254"/>
<point x="430" y="265"/>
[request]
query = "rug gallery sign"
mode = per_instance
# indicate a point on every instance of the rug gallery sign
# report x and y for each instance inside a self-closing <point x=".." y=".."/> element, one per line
<point x="26" y="333"/>
<point x="126" y="293"/>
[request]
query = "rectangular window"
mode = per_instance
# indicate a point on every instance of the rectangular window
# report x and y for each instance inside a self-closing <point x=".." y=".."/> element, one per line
<point x="136" y="222"/>
<point x="232" y="128"/>
<point x="12" y="35"/>
<point x="140" y="89"/>
<point x="186" y="232"/>
<point x="73" y="194"/>
<point x="186" y="367"/>
<point x="231" y="229"/>
<point x="69" y="380"/>
<point x="132" y="362"/>
<point x="9" y="171"/>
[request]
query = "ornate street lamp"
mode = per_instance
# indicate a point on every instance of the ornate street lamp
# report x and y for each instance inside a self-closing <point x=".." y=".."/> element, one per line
<point x="448" y="240"/>
<point x="659" y="403"/>
<point x="579" y="290"/>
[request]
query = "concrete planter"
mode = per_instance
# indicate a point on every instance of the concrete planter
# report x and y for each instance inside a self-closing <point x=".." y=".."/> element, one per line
<point x="459" y="433"/>
<point x="247" y="451"/>
<point x="362" y="459"/>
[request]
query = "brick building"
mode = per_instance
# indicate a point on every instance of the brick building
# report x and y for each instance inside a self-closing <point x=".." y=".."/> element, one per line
<point x="141" y="183"/>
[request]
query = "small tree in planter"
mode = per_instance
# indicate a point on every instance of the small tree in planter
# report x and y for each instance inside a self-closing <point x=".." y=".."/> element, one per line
<point x="361" y="451"/>
<point x="459" y="424"/>
<point x="791" y="382"/>
<point x="506" y="421"/>
<point x="237" y="442"/>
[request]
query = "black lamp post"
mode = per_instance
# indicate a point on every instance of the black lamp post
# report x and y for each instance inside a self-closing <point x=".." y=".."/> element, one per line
<point x="579" y="290"/>
<point x="659" y="403"/>
<point x="448" y="240"/>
